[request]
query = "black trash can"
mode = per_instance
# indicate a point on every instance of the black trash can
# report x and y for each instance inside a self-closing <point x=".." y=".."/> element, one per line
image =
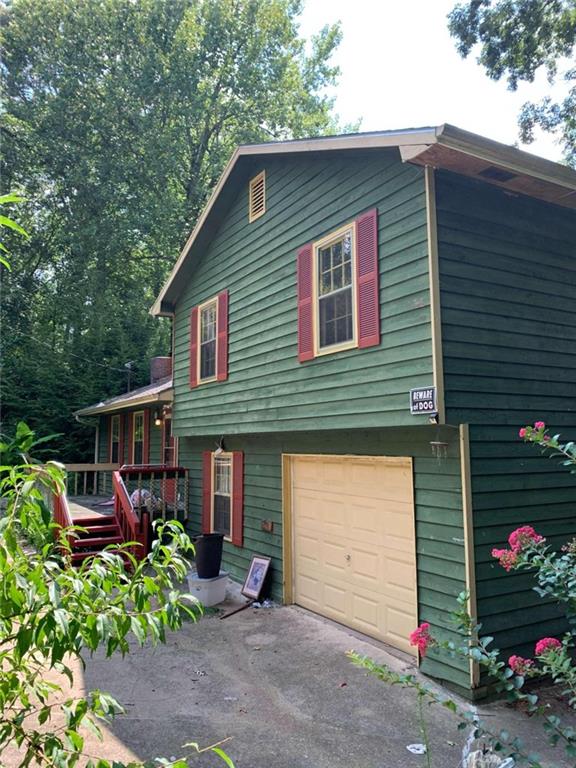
<point x="208" y="554"/>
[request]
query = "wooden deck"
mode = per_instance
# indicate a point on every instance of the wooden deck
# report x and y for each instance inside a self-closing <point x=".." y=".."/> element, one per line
<point x="88" y="506"/>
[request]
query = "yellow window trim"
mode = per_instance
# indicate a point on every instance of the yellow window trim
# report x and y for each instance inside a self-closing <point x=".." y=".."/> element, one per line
<point x="316" y="246"/>
<point x="254" y="185"/>
<point x="210" y="379"/>
<point x="227" y="454"/>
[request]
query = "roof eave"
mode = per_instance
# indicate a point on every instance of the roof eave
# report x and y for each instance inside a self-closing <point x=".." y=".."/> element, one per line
<point x="101" y="408"/>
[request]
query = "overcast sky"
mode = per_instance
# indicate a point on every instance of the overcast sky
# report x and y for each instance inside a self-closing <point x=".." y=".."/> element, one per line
<point x="400" y="69"/>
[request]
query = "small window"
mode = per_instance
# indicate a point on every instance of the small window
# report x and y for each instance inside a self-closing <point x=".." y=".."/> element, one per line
<point x="209" y="341"/>
<point x="335" y="295"/>
<point x="208" y="334"/>
<point x="257" y="203"/>
<point x="222" y="495"/>
<point x="114" y="439"/>
<point x="168" y="446"/>
<point x="338" y="290"/>
<point x="138" y="438"/>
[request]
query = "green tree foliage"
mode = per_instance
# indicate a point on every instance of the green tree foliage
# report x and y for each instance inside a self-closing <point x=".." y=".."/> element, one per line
<point x="53" y="616"/>
<point x="118" y="117"/>
<point x="516" y="39"/>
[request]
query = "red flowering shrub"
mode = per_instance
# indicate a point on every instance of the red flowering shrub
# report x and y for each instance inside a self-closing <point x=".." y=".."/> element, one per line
<point x="546" y="645"/>
<point x="508" y="558"/>
<point x="421" y="638"/>
<point x="520" y="666"/>
<point x="524" y="537"/>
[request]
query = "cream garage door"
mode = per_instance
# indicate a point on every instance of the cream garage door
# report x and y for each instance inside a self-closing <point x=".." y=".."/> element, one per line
<point x="354" y="543"/>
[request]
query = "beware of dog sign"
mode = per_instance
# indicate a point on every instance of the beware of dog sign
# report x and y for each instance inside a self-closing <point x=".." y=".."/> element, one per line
<point x="423" y="400"/>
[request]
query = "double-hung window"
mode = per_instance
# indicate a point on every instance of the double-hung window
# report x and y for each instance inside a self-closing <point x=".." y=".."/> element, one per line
<point x="338" y="290"/>
<point x="208" y="337"/>
<point x="335" y="297"/>
<point x="223" y="494"/>
<point x="209" y="341"/>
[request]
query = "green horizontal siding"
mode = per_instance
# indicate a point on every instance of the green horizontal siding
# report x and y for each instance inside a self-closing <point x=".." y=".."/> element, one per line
<point x="438" y="503"/>
<point x="268" y="389"/>
<point x="507" y="280"/>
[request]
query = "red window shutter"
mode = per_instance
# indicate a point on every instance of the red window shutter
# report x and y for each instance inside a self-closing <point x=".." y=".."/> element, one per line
<point x="194" y="347"/>
<point x="222" y="342"/>
<point x="305" y="320"/>
<point x="237" y="498"/>
<point x="130" y="418"/>
<point x="206" y="491"/>
<point x="110" y="438"/>
<point x="146" y="445"/>
<point x="121" y="442"/>
<point x="368" y="300"/>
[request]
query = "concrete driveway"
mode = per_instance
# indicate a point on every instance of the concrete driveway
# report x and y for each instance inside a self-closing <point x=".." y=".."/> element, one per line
<point x="277" y="683"/>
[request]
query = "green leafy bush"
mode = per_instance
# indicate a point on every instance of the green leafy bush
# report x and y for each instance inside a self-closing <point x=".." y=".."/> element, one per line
<point x="52" y="614"/>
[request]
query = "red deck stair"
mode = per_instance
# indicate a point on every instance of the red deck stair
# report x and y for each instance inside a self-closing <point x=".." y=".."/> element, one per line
<point x="102" y="530"/>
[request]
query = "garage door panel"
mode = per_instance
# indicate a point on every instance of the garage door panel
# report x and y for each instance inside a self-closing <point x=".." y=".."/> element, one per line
<point x="366" y="613"/>
<point x="354" y="543"/>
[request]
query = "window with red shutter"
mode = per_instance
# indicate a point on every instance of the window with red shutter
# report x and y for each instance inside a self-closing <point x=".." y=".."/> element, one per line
<point x="209" y="341"/>
<point x="223" y="495"/>
<point x="338" y="290"/>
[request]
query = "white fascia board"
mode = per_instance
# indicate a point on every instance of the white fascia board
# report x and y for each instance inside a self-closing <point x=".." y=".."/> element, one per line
<point x="95" y="410"/>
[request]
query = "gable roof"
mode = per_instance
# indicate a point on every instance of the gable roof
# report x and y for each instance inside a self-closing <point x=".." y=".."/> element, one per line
<point x="443" y="146"/>
<point x="159" y="392"/>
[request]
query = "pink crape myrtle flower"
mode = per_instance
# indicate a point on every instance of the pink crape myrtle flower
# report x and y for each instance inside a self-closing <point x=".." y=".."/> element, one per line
<point x="421" y="638"/>
<point x="523" y="537"/>
<point x="519" y="665"/>
<point x="546" y="645"/>
<point x="539" y="425"/>
<point x="507" y="557"/>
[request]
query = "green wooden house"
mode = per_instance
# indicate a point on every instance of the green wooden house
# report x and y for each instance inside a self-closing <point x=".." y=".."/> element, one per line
<point x="325" y="280"/>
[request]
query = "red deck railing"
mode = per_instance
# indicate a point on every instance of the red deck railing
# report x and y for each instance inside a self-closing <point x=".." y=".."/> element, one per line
<point x="134" y="528"/>
<point x="62" y="516"/>
<point x="167" y="486"/>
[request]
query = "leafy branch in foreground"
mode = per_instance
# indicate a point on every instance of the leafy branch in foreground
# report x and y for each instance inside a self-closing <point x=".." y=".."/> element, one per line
<point x="52" y="615"/>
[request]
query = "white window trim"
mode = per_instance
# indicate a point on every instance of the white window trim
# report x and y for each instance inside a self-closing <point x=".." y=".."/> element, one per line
<point x="327" y="240"/>
<point x="213" y="300"/>
<point x="253" y="182"/>
<point x="133" y="441"/>
<point x="229" y="455"/>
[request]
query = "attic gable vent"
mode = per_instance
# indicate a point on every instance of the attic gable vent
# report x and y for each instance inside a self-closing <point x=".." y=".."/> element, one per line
<point x="257" y="205"/>
<point x="497" y="174"/>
